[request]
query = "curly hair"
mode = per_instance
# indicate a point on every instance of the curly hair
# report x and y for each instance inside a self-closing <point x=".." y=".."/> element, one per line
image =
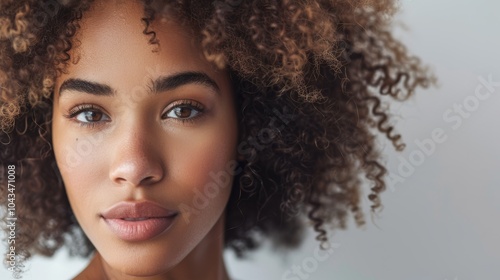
<point x="318" y="69"/>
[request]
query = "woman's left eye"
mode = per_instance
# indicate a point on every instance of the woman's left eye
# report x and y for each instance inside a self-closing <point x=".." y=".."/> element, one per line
<point x="184" y="112"/>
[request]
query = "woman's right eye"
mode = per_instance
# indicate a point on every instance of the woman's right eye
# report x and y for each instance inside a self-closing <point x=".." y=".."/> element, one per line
<point x="88" y="115"/>
<point x="91" y="116"/>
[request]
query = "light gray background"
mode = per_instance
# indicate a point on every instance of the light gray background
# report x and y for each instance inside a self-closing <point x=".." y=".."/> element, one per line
<point x="442" y="222"/>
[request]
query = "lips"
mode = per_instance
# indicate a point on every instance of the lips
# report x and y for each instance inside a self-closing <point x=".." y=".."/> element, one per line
<point x="138" y="221"/>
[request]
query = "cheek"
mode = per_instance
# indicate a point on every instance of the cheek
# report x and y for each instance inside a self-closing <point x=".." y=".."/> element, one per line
<point x="201" y="164"/>
<point x="78" y="160"/>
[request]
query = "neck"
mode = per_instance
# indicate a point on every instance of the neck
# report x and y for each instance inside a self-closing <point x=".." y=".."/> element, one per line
<point x="204" y="262"/>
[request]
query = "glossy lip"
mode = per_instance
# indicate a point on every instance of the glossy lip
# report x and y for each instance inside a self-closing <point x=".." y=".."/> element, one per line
<point x="150" y="220"/>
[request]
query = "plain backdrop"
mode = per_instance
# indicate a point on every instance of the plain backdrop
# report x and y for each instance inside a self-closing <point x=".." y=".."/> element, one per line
<point x="441" y="219"/>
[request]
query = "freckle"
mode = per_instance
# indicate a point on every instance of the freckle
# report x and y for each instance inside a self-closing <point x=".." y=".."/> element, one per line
<point x="76" y="139"/>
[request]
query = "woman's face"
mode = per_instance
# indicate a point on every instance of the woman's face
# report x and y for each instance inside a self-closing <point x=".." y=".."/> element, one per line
<point x="133" y="125"/>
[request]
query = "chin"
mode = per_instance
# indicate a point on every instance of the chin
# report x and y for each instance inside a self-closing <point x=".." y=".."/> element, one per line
<point x="140" y="259"/>
<point x="141" y="267"/>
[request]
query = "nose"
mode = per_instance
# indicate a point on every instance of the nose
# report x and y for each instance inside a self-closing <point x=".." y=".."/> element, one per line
<point x="135" y="161"/>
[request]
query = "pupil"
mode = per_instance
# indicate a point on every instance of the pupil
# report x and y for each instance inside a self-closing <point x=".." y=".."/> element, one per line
<point x="92" y="116"/>
<point x="183" y="112"/>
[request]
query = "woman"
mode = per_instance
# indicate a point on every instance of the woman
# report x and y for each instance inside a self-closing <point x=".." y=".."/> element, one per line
<point x="167" y="131"/>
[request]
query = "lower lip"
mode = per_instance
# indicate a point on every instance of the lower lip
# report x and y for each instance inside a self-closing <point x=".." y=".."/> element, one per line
<point x="139" y="230"/>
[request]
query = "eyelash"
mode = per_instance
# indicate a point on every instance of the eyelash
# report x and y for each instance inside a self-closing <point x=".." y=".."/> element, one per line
<point x="91" y="107"/>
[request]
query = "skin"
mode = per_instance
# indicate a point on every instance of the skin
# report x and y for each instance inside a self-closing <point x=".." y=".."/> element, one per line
<point x="139" y="149"/>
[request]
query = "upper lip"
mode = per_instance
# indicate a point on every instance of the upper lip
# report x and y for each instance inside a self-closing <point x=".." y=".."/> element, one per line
<point x="142" y="209"/>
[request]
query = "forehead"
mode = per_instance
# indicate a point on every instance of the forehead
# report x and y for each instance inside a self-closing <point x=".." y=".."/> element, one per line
<point x="111" y="43"/>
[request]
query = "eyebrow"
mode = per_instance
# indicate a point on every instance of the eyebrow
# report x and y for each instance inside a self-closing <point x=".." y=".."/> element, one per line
<point x="161" y="84"/>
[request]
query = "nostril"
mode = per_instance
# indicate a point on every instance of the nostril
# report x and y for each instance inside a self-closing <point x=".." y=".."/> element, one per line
<point x="149" y="179"/>
<point x="136" y="169"/>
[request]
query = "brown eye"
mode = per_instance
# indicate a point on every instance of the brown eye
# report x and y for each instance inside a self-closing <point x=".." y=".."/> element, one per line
<point x="183" y="112"/>
<point x="90" y="116"/>
<point x="188" y="110"/>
